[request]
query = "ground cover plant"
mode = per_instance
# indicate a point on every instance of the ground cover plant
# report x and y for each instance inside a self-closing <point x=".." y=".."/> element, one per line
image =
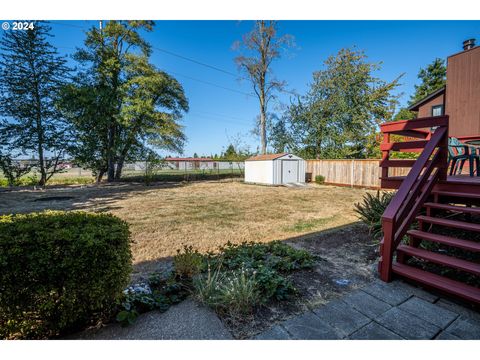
<point x="239" y="277"/>
<point x="232" y="281"/>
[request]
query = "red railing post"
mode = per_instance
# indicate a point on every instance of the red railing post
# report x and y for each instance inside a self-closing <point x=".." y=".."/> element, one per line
<point x="385" y="154"/>
<point x="387" y="249"/>
<point x="444" y="158"/>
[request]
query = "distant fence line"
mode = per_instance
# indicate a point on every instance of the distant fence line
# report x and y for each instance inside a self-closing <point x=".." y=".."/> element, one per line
<point x="351" y="172"/>
<point x="139" y="167"/>
<point x="189" y="165"/>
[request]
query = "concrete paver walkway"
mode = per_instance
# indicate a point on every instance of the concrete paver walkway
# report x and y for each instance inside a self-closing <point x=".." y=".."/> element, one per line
<point x="185" y="321"/>
<point x="379" y="311"/>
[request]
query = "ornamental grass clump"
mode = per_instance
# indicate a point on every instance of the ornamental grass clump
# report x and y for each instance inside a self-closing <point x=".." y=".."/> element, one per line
<point x="371" y="209"/>
<point x="233" y="292"/>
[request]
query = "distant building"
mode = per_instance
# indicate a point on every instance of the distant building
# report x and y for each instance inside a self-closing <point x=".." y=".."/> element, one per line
<point x="190" y="163"/>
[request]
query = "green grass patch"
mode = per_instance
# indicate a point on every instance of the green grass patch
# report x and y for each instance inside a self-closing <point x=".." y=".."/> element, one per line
<point x="306" y="225"/>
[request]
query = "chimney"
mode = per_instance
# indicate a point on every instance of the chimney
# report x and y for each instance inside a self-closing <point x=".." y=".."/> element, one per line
<point x="468" y="44"/>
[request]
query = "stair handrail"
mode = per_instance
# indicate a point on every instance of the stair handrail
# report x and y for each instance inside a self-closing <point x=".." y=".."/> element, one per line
<point x="414" y="189"/>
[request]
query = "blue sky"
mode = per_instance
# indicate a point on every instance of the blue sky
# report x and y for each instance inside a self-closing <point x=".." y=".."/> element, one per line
<point x="217" y="114"/>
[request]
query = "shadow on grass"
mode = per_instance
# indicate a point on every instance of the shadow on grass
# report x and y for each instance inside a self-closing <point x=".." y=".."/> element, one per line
<point x="339" y="250"/>
<point x="99" y="198"/>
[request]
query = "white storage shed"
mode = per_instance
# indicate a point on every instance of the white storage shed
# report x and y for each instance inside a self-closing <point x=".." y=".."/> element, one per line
<point x="275" y="169"/>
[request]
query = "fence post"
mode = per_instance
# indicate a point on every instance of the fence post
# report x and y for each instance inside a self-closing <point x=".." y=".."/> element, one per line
<point x="352" y="176"/>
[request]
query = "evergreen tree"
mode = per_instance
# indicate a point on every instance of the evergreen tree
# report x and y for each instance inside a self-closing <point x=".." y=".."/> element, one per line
<point x="433" y="77"/>
<point x="31" y="73"/>
<point x="278" y="136"/>
<point x="230" y="153"/>
<point x="404" y="114"/>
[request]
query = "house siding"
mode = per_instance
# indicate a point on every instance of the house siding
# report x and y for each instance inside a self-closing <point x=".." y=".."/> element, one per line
<point x="463" y="93"/>
<point x="425" y="110"/>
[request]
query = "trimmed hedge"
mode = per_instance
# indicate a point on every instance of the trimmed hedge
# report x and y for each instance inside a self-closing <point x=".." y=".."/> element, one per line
<point x="60" y="271"/>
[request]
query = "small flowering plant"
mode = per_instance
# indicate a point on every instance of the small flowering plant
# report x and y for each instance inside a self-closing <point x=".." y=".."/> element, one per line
<point x="154" y="295"/>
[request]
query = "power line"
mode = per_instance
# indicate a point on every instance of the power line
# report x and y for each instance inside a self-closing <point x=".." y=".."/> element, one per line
<point x="195" y="61"/>
<point x="184" y="58"/>
<point x="218" y="120"/>
<point x="68" y="25"/>
<point x="222" y="115"/>
<point x="211" y="84"/>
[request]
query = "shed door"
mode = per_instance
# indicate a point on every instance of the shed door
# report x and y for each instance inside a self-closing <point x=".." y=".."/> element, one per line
<point x="289" y="171"/>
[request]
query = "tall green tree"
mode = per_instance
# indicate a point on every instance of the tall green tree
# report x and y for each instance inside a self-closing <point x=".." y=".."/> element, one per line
<point x="32" y="73"/>
<point x="432" y="78"/>
<point x="340" y="113"/>
<point x="404" y="114"/>
<point x="121" y="104"/>
<point x="279" y="137"/>
<point x="261" y="46"/>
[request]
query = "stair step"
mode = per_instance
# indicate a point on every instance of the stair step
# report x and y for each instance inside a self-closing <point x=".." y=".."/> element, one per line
<point x="446" y="240"/>
<point x="442" y="283"/>
<point x="440" y="259"/>
<point x="462" y="209"/>
<point x="449" y="223"/>
<point x="456" y="194"/>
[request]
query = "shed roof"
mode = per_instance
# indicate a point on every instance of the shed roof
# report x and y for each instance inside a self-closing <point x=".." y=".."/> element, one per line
<point x="266" y="157"/>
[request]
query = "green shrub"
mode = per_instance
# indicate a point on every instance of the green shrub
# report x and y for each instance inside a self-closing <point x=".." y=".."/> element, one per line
<point x="60" y="271"/>
<point x="371" y="209"/>
<point x="188" y="263"/>
<point x="320" y="179"/>
<point x="276" y="255"/>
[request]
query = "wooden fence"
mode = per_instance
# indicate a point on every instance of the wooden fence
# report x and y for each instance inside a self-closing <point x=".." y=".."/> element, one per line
<point x="349" y="172"/>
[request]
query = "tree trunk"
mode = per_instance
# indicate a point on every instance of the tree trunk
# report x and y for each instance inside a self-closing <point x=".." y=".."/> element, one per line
<point x="118" y="172"/>
<point x="263" y="130"/>
<point x="100" y="176"/>
<point x="111" y="154"/>
<point x="41" y="160"/>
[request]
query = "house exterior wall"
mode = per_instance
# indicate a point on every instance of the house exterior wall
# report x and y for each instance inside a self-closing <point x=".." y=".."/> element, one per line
<point x="463" y="93"/>
<point x="425" y="110"/>
<point x="260" y="172"/>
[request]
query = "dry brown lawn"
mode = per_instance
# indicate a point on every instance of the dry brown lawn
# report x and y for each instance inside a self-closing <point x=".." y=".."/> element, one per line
<point x="206" y="215"/>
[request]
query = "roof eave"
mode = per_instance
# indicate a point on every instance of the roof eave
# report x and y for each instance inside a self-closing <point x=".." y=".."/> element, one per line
<point x="438" y="92"/>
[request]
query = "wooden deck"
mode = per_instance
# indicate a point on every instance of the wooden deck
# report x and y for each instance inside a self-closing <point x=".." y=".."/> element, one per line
<point x="475" y="180"/>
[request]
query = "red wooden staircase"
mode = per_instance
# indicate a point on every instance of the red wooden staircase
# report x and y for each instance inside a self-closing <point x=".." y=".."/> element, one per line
<point x="431" y="227"/>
